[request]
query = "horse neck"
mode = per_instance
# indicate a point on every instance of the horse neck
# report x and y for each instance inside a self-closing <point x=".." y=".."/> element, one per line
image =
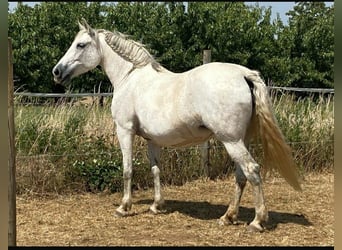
<point x="115" y="67"/>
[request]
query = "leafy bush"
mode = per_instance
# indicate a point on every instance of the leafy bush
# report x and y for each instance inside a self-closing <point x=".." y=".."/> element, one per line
<point x="99" y="174"/>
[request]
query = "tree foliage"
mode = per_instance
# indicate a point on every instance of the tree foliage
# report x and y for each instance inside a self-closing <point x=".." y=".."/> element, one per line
<point x="308" y="41"/>
<point x="41" y="35"/>
<point x="299" y="54"/>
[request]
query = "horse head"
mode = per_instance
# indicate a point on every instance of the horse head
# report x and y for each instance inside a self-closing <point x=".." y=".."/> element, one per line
<point x="83" y="55"/>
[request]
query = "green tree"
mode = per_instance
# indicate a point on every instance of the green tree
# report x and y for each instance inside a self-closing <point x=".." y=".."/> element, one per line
<point x="233" y="31"/>
<point x="160" y="26"/>
<point x="308" y="45"/>
<point x="300" y="54"/>
<point x="41" y="35"/>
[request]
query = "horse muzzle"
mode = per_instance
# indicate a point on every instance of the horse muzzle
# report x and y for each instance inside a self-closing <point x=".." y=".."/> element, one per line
<point x="60" y="74"/>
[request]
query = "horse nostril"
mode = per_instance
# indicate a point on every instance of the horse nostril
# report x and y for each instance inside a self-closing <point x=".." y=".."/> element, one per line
<point x="56" y="72"/>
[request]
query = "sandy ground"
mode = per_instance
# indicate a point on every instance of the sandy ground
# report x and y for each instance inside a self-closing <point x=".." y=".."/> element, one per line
<point x="295" y="218"/>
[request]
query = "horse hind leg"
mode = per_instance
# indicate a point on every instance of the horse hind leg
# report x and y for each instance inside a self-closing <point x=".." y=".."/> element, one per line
<point x="230" y="217"/>
<point x="241" y="156"/>
<point x="154" y="157"/>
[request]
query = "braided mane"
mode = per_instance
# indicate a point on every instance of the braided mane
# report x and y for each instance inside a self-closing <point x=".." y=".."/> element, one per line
<point x="130" y="50"/>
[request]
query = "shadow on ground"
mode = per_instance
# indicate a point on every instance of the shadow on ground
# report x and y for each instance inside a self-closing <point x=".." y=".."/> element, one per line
<point x="206" y="211"/>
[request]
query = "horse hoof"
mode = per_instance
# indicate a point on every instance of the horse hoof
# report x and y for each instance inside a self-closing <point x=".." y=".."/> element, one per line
<point x="225" y="221"/>
<point x="120" y="213"/>
<point x="155" y="211"/>
<point x="255" y="228"/>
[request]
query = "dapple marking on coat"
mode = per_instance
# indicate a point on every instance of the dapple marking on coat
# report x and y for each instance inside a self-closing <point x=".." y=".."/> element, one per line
<point x="223" y="100"/>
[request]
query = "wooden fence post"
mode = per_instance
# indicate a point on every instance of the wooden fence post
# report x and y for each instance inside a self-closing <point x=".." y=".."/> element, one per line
<point x="205" y="147"/>
<point x="12" y="233"/>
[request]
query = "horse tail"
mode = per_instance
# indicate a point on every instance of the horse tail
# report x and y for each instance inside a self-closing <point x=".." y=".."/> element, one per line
<point x="277" y="154"/>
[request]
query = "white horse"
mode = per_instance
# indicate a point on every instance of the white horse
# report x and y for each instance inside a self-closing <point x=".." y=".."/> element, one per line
<point x="223" y="100"/>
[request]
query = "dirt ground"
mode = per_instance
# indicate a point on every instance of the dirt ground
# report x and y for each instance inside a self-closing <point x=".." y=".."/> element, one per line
<point x="295" y="218"/>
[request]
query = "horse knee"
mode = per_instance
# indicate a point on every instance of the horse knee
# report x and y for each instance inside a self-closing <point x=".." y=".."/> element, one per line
<point x="127" y="174"/>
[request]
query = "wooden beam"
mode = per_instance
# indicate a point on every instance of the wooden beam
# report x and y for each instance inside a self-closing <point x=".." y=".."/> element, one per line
<point x="12" y="234"/>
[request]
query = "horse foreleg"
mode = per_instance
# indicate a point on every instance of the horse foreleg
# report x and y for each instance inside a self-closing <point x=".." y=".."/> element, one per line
<point x="125" y="138"/>
<point x="230" y="217"/>
<point x="251" y="170"/>
<point x="154" y="157"/>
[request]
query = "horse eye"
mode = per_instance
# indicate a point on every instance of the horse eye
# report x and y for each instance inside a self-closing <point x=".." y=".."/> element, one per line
<point x="80" y="45"/>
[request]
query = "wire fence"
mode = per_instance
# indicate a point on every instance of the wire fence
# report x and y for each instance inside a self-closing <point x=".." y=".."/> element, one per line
<point x="179" y="164"/>
<point x="112" y="134"/>
<point x="66" y="95"/>
<point x="167" y="149"/>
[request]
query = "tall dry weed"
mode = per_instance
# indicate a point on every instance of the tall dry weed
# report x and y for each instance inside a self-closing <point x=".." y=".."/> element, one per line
<point x="74" y="148"/>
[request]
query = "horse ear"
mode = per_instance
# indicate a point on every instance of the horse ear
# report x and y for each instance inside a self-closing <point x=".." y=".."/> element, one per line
<point x="81" y="26"/>
<point x="84" y="25"/>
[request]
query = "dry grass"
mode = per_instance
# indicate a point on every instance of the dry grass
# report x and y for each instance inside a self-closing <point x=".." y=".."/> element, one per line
<point x="296" y="219"/>
<point x="50" y="140"/>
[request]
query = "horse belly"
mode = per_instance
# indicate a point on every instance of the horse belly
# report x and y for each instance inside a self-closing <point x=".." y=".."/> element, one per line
<point x="176" y="136"/>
